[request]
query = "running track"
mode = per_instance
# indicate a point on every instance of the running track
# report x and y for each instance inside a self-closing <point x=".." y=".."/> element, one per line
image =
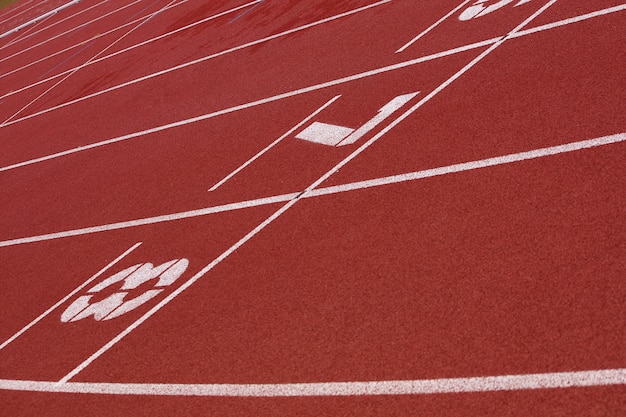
<point x="278" y="207"/>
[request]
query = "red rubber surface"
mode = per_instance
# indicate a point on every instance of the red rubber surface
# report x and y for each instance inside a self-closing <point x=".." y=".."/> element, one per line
<point x="513" y="269"/>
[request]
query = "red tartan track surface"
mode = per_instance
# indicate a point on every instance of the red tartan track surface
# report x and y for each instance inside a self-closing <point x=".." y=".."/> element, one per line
<point x="313" y="208"/>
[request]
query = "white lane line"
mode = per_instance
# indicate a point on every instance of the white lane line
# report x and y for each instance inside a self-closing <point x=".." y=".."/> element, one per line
<point x="24" y="34"/>
<point x="37" y="19"/>
<point x="291" y="203"/>
<point x="58" y="22"/>
<point x="168" y="5"/>
<point x="353" y="186"/>
<point x="271" y="145"/>
<point x="469" y="166"/>
<point x="21" y="51"/>
<point x="552" y="380"/>
<point x="70" y="295"/>
<point x="434" y="25"/>
<point x="5" y="14"/>
<point x="292" y="93"/>
<point x="21" y="13"/>
<point x="197" y="61"/>
<point x="130" y="48"/>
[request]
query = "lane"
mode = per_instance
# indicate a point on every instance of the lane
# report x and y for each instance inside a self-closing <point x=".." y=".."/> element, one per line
<point x="505" y="270"/>
<point x="489" y="272"/>
<point x="74" y="340"/>
<point x="521" y="98"/>
<point x="207" y="95"/>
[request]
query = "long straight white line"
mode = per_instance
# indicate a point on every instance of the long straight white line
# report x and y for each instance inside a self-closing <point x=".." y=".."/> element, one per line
<point x="70" y="295"/>
<point x="37" y="19"/>
<point x="271" y="145"/>
<point x="74" y="71"/>
<point x="24" y="34"/>
<point x="21" y="13"/>
<point x="200" y="60"/>
<point x="431" y="27"/>
<point x="593" y="378"/>
<point x="290" y="204"/>
<point x="21" y="51"/>
<point x="58" y="22"/>
<point x="130" y="48"/>
<point x="289" y="94"/>
<point x="376" y="182"/>
<point x="5" y="14"/>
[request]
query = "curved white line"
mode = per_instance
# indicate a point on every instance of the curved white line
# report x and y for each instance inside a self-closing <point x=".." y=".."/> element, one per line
<point x="604" y="377"/>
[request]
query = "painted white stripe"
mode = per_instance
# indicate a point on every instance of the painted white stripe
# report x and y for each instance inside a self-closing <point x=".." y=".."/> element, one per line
<point x="21" y="51"/>
<point x="57" y="22"/>
<point x="288" y="94"/>
<point x="594" y="378"/>
<point x="24" y="34"/>
<point x="37" y="19"/>
<point x="68" y="75"/>
<point x="9" y="18"/>
<point x="197" y="61"/>
<point x="469" y="166"/>
<point x="6" y="12"/>
<point x="130" y="48"/>
<point x="410" y="176"/>
<point x="70" y="295"/>
<point x="431" y="27"/>
<point x="289" y="204"/>
<point x="271" y="145"/>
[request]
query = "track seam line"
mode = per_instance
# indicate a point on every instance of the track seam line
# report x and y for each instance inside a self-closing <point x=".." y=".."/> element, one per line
<point x="293" y="201"/>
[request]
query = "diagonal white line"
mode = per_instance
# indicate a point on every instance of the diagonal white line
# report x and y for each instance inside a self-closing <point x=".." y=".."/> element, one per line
<point x="290" y="204"/>
<point x="591" y="378"/>
<point x="292" y="93"/>
<point x="74" y="71"/>
<point x="199" y="60"/>
<point x="431" y="27"/>
<point x="66" y="32"/>
<point x="58" y="22"/>
<point x="127" y="49"/>
<point x="359" y="185"/>
<point x="67" y="297"/>
<point x="39" y="18"/>
<point x="271" y="145"/>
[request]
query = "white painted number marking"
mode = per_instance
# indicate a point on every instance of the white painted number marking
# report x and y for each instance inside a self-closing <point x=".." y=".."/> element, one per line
<point x="480" y="8"/>
<point x="333" y="135"/>
<point x="116" y="304"/>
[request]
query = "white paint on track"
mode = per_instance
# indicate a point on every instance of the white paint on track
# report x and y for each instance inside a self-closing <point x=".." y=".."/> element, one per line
<point x="431" y="27"/>
<point x="127" y="49"/>
<point x="289" y="94"/>
<point x="271" y="145"/>
<point x="67" y="297"/>
<point x="39" y="18"/>
<point x="194" y="62"/>
<point x="377" y="182"/>
<point x="594" y="378"/>
<point x="269" y="220"/>
<point x="75" y="28"/>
